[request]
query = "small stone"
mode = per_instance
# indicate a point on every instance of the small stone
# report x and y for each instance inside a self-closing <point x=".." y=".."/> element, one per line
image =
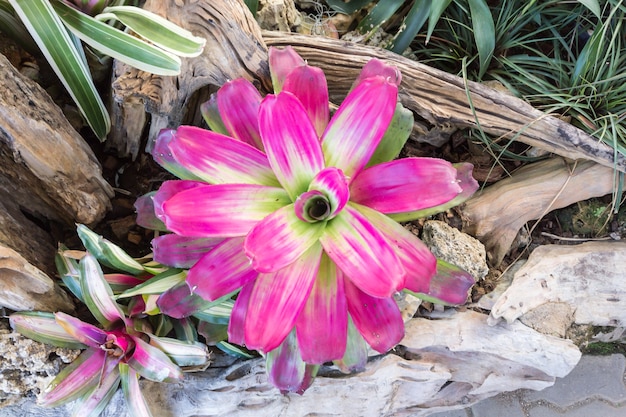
<point x="551" y="318"/>
<point x="456" y="247"/>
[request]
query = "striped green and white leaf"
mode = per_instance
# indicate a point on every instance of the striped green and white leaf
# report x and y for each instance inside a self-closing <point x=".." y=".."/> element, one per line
<point x="118" y="44"/>
<point x="155" y="29"/>
<point x="67" y="61"/>
<point x="219" y="312"/>
<point x="108" y="253"/>
<point x="157" y="284"/>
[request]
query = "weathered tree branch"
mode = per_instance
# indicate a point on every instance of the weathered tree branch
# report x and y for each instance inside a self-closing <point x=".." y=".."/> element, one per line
<point x="442" y="98"/>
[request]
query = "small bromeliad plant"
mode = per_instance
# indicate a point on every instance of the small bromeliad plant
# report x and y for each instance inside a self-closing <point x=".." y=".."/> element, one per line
<point x="294" y="213"/>
<point x="130" y="339"/>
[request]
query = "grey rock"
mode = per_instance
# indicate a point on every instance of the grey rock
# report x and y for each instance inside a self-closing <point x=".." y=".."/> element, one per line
<point x="588" y="277"/>
<point x="27" y="367"/>
<point x="25" y="287"/>
<point x="550" y="318"/>
<point x="456" y="247"/>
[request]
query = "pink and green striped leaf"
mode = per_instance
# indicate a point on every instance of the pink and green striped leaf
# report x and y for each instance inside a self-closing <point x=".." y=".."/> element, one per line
<point x="76" y="379"/>
<point x="43" y="327"/>
<point x="363" y="253"/>
<point x="152" y="363"/>
<point x="278" y="298"/>
<point x="238" y="103"/>
<point x="291" y="144"/>
<point x="224" y="210"/>
<point x="219" y="159"/>
<point x="95" y="402"/>
<point x="157" y="284"/>
<point x="322" y="326"/>
<point x="359" y="124"/>
<point x="182" y="353"/>
<point x="377" y="319"/>
<point x="86" y="333"/>
<point x="279" y="239"/>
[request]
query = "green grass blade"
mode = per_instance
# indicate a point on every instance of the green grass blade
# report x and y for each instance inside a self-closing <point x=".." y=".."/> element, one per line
<point x="484" y="32"/>
<point x="592" y="5"/>
<point x="115" y="43"/>
<point x="57" y="46"/>
<point x="348" y="7"/>
<point x="379" y="15"/>
<point x="436" y="10"/>
<point x="412" y="24"/>
<point x="157" y="30"/>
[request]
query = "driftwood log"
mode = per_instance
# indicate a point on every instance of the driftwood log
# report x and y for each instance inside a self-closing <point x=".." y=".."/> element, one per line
<point x="236" y="48"/>
<point x="47" y="174"/>
<point x="496" y="215"/>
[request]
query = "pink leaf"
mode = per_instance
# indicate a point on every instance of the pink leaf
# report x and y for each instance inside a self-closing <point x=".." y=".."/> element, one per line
<point x="377" y="319"/>
<point x="219" y="159"/>
<point x="277" y="299"/>
<point x="168" y="190"/>
<point x="237" y="322"/>
<point x="376" y="67"/>
<point x="76" y="379"/>
<point x="333" y="184"/>
<point x="363" y="253"/>
<point x="181" y="251"/>
<point x="450" y="285"/>
<point x="282" y="62"/>
<point x="238" y="103"/>
<point x="279" y="239"/>
<point x="85" y="333"/>
<point x="359" y="124"/>
<point x="221" y="271"/>
<point x="322" y="325"/>
<point x="224" y="210"/>
<point x="285" y="368"/>
<point x="152" y="363"/>
<point x="308" y="84"/>
<point x="290" y="141"/>
<point x="406" y="185"/>
<point x="417" y="260"/>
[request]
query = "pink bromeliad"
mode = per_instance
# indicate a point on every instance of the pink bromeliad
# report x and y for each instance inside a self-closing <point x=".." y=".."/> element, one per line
<point x="298" y="212"/>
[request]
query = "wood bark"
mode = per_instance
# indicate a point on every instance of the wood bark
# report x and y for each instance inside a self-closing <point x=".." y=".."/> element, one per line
<point x="442" y="99"/>
<point x="47" y="174"/>
<point x="234" y="49"/>
<point x="496" y="215"/>
<point x="44" y="163"/>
